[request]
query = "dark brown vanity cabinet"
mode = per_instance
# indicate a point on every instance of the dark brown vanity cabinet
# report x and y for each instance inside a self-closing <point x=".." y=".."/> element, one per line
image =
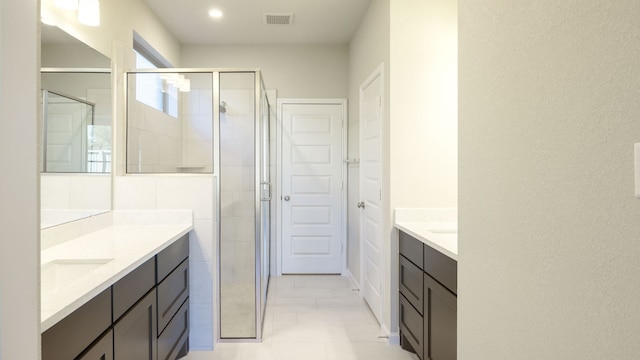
<point x="172" y="273"/>
<point x="101" y="350"/>
<point x="428" y="302"/>
<point x="72" y="335"/>
<point x="143" y="316"/>
<point x="134" y="335"/>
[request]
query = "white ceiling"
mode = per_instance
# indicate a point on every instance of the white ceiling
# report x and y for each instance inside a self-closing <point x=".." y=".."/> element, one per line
<point x="315" y="21"/>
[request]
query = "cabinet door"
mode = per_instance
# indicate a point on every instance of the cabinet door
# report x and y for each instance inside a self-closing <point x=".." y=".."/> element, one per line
<point x="135" y="335"/>
<point x="101" y="350"/>
<point x="440" y="327"/>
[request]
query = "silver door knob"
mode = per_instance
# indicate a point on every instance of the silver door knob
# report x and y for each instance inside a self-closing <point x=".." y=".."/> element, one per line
<point x="361" y="205"/>
<point x="287" y="198"/>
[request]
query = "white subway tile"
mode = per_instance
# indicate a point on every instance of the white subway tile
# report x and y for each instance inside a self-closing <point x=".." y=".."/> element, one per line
<point x="187" y="192"/>
<point x="135" y="193"/>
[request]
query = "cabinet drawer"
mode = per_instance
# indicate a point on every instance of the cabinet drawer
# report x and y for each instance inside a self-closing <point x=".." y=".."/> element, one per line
<point x="69" y="337"/>
<point x="101" y="350"/>
<point x="169" y="258"/>
<point x="411" y="248"/>
<point x="411" y="283"/>
<point x="442" y="268"/>
<point x="411" y="325"/>
<point x="172" y="292"/>
<point x="128" y="290"/>
<point x="172" y="343"/>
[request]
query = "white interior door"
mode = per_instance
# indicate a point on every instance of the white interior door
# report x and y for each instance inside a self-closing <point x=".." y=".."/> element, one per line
<point x="66" y="136"/>
<point x="312" y="188"/>
<point x="371" y="114"/>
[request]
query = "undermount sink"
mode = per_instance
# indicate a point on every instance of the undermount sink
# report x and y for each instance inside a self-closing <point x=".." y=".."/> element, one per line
<point x="58" y="274"/>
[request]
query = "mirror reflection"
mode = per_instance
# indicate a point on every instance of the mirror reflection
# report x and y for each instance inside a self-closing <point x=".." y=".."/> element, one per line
<point x="76" y="129"/>
<point x="76" y="140"/>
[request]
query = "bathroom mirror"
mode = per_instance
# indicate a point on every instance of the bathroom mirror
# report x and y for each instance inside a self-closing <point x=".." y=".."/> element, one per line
<point x="76" y="123"/>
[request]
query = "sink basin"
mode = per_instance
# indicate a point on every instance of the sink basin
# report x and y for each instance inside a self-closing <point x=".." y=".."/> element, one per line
<point x="58" y="274"/>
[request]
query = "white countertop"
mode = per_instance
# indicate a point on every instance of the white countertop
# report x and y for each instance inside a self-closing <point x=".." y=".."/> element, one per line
<point x="442" y="236"/>
<point x="91" y="263"/>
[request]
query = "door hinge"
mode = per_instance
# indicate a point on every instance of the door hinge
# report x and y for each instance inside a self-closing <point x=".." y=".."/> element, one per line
<point x="342" y="248"/>
<point x="380" y="101"/>
<point x="380" y="194"/>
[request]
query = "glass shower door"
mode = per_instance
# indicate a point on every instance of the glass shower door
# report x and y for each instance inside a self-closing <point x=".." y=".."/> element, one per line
<point x="265" y="199"/>
<point x="245" y="200"/>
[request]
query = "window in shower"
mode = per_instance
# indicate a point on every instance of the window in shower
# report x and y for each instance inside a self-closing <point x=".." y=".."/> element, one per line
<point x="177" y="138"/>
<point x="153" y="90"/>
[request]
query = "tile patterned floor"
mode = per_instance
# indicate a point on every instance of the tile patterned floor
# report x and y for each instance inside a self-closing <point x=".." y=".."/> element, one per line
<point x="313" y="318"/>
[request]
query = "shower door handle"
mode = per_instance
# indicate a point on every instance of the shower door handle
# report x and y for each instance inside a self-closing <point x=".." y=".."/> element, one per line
<point x="265" y="189"/>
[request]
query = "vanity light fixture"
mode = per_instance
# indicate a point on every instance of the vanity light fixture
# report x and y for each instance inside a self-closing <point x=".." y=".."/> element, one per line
<point x="89" y="12"/>
<point x="66" y="4"/>
<point x="215" y="13"/>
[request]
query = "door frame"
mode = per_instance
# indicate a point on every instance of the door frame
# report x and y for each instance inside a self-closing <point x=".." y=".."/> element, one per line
<point x="377" y="73"/>
<point x="343" y="169"/>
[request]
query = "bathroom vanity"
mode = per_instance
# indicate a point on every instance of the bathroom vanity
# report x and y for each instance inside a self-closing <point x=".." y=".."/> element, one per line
<point x="118" y="293"/>
<point x="428" y="289"/>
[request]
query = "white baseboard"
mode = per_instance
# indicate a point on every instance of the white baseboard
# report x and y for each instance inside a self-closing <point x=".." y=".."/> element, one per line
<point x="394" y="337"/>
<point x="354" y="283"/>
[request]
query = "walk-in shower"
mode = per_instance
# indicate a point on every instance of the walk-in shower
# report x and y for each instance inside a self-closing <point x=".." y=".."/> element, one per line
<point x="214" y="122"/>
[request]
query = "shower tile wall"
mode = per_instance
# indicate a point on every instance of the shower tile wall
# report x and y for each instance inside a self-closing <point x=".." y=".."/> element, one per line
<point x="154" y="140"/>
<point x="197" y="110"/>
<point x="237" y="169"/>
<point x="160" y="143"/>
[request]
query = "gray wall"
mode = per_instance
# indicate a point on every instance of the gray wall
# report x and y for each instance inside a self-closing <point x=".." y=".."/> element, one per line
<point x="549" y="225"/>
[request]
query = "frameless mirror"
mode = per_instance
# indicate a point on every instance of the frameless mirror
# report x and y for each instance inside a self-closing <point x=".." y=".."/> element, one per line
<point x="76" y="139"/>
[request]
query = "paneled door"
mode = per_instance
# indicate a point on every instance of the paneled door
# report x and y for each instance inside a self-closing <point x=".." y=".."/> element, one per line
<point x="371" y="115"/>
<point x="65" y="123"/>
<point x="312" y="188"/>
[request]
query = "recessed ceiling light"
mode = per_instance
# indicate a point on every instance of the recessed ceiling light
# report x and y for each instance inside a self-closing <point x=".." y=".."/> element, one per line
<point x="215" y="13"/>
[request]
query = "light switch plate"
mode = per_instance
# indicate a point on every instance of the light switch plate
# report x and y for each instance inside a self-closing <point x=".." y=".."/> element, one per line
<point x="636" y="165"/>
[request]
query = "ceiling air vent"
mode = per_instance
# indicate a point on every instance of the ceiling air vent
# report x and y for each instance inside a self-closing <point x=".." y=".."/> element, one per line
<point x="278" y="19"/>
